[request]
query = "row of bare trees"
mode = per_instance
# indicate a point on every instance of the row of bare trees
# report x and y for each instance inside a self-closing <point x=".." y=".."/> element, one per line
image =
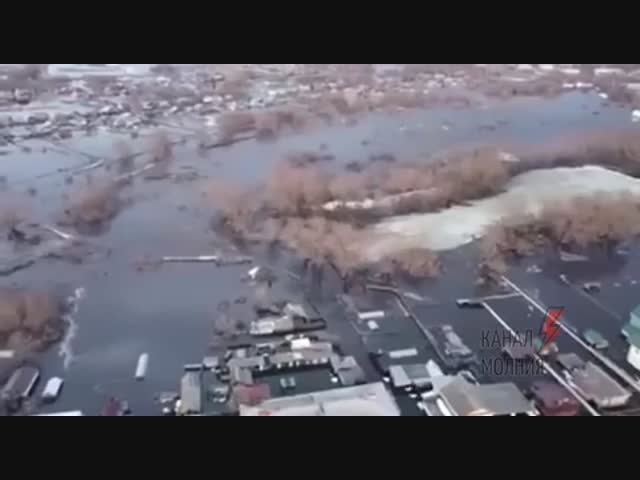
<point x="600" y="219"/>
<point x="288" y="208"/>
<point x="28" y="316"/>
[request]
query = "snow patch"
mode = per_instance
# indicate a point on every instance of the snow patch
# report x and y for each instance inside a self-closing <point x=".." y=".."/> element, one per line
<point x="526" y="194"/>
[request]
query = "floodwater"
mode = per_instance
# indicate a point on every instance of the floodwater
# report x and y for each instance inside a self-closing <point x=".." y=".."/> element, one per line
<point x="168" y="312"/>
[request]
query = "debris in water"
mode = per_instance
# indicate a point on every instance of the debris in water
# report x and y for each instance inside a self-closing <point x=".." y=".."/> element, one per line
<point x="592" y="287"/>
<point x="262" y="274"/>
<point x="219" y="261"/>
<point x="115" y="408"/>
<point x="91" y="166"/>
<point x="624" y="251"/>
<point x="635" y="116"/>
<point x="534" y="269"/>
<point x="413" y="296"/>
<point x="128" y="176"/>
<point x="199" y="259"/>
<point x="253" y="272"/>
<point x="55" y="231"/>
<point x="167" y="398"/>
<point x="24" y="233"/>
<point x="617" y="285"/>
<point x="572" y="257"/>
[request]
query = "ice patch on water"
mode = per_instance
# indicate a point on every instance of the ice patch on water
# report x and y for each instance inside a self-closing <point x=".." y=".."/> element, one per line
<point x="78" y="70"/>
<point x="525" y="195"/>
<point x="66" y="348"/>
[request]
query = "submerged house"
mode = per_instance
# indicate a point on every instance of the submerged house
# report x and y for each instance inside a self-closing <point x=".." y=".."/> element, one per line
<point x="633" y="326"/>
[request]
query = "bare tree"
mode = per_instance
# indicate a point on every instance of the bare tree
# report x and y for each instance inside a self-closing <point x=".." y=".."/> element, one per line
<point x="601" y="219"/>
<point x="224" y="325"/>
<point x="14" y="209"/>
<point x="230" y="124"/>
<point x="124" y="156"/>
<point x="236" y="205"/>
<point x="95" y="204"/>
<point x="28" y="317"/>
<point x="413" y="262"/>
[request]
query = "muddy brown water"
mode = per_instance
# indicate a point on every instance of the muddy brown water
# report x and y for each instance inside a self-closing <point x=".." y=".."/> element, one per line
<point x="168" y="312"/>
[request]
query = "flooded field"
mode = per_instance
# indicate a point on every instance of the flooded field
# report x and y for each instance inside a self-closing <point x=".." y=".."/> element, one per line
<point x="128" y="303"/>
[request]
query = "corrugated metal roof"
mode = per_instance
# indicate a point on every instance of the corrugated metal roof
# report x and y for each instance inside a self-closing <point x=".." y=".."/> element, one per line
<point x="22" y="382"/>
<point x="571" y="361"/>
<point x="405" y="375"/>
<point x="363" y="400"/>
<point x="241" y="375"/>
<point x="465" y="399"/>
<point x="399" y="377"/>
<point x="295" y="309"/>
<point x="595" y="384"/>
<point x="551" y="394"/>
<point x="190" y="393"/>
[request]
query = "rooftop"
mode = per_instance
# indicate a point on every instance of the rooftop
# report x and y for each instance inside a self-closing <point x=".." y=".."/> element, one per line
<point x="406" y="375"/>
<point x="551" y="395"/>
<point x="250" y="395"/>
<point x="347" y="370"/>
<point x="571" y="361"/>
<point x="520" y="352"/>
<point x="596" y="385"/>
<point x="370" y="400"/>
<point x="465" y="399"/>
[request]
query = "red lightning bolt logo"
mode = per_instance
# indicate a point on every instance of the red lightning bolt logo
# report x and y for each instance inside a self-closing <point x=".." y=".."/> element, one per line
<point x="550" y="326"/>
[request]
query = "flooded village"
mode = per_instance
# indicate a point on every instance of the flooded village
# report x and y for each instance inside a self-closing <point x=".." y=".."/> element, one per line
<point x="319" y="240"/>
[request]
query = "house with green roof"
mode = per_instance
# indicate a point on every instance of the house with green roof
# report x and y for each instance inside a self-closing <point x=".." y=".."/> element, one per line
<point x="633" y="326"/>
